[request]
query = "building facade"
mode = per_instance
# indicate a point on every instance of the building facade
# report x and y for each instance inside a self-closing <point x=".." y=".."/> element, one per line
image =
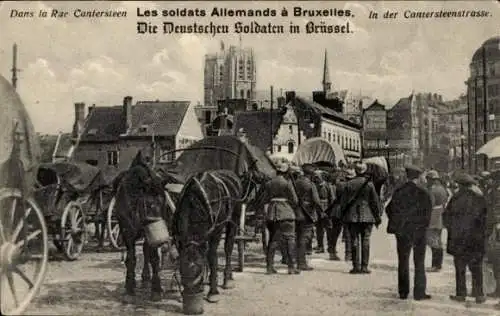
<point x="374" y="130"/>
<point x="110" y="137"/>
<point x="483" y="98"/>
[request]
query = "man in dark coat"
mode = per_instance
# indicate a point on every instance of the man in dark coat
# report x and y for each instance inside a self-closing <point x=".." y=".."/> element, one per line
<point x="306" y="215"/>
<point x="360" y="209"/>
<point x="493" y="224"/>
<point x="326" y="198"/>
<point x="409" y="214"/>
<point x="465" y="219"/>
<point x="281" y="198"/>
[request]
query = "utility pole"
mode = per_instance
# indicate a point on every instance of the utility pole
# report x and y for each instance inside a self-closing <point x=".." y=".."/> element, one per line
<point x="271" y="125"/>
<point x="14" y="70"/>
<point x="476" y="132"/>
<point x="469" y="157"/>
<point x="485" y="109"/>
<point x="462" y="138"/>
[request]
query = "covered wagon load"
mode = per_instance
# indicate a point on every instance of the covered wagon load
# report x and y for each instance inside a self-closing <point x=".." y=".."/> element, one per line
<point x="321" y="153"/>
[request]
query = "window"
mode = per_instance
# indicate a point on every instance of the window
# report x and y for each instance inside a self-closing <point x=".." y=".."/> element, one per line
<point x="92" y="162"/>
<point x="329" y="137"/>
<point x="290" y="128"/>
<point x="165" y="156"/>
<point x="279" y="148"/>
<point x="242" y="94"/>
<point x="290" y="147"/>
<point x="248" y="94"/>
<point x="208" y="117"/>
<point x="113" y="158"/>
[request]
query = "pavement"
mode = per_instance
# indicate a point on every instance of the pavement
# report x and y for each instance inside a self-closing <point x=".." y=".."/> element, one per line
<point x="93" y="285"/>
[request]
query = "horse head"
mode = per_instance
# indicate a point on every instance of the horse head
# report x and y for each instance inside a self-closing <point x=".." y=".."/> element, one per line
<point x="252" y="179"/>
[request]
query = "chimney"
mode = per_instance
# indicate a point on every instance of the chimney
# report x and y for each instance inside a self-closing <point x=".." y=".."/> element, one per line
<point x="127" y="111"/>
<point x="79" y="118"/>
<point x="289" y="96"/>
<point x="91" y="108"/>
<point x="281" y="101"/>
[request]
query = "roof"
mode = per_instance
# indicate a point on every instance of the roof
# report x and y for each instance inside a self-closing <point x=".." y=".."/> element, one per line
<point x="492" y="49"/>
<point x="256" y="125"/>
<point x="104" y="124"/>
<point x="402" y="103"/>
<point x="161" y="118"/>
<point x="328" y="112"/>
<point x="376" y="106"/>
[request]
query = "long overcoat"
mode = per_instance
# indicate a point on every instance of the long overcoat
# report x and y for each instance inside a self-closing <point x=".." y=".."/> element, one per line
<point x="309" y="199"/>
<point x="439" y="197"/>
<point x="465" y="219"/>
<point x="281" y="198"/>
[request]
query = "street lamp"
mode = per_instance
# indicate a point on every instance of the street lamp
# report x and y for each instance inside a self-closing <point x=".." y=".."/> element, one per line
<point x="387" y="149"/>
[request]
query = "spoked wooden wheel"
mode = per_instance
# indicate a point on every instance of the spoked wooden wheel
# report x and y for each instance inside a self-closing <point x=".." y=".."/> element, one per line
<point x="73" y="230"/>
<point x="115" y="236"/>
<point x="23" y="251"/>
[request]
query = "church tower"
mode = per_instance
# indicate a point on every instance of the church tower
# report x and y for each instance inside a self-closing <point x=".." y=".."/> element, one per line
<point x="327" y="85"/>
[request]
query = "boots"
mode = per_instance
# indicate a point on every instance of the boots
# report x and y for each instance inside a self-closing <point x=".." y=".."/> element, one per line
<point x="291" y="255"/>
<point x="356" y="269"/>
<point x="437" y="259"/>
<point x="271" y="251"/>
<point x="496" y="293"/>
<point x="365" y="256"/>
<point x="334" y="256"/>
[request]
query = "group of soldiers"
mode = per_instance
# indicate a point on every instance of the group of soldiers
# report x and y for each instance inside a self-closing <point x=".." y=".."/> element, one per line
<point x="419" y="205"/>
<point x="301" y="200"/>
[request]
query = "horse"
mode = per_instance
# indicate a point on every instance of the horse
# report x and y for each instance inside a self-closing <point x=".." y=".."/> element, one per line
<point x="209" y="203"/>
<point x="139" y="194"/>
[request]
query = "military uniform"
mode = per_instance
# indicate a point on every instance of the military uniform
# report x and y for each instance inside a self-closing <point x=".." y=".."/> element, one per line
<point x="439" y="197"/>
<point x="281" y="198"/>
<point x="306" y="215"/>
<point x="323" y="225"/>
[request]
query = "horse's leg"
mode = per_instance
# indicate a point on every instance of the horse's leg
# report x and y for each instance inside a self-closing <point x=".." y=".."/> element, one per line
<point x="156" y="290"/>
<point x="102" y="231"/>
<point x="231" y="231"/>
<point x="130" y="263"/>
<point x="213" y="244"/>
<point x="146" y="272"/>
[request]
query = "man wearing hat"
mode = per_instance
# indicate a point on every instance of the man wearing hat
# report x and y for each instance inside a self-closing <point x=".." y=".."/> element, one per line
<point x="439" y="197"/>
<point x="306" y="214"/>
<point x="465" y="219"/>
<point x="326" y="198"/>
<point x="281" y="198"/>
<point x="493" y="226"/>
<point x="360" y="209"/>
<point x="409" y="214"/>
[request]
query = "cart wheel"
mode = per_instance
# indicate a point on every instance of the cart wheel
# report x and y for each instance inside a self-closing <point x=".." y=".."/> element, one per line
<point x="23" y="251"/>
<point x="115" y="236"/>
<point x="73" y="231"/>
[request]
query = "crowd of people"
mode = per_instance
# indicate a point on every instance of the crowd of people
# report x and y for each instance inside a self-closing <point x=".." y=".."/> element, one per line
<point x="301" y="202"/>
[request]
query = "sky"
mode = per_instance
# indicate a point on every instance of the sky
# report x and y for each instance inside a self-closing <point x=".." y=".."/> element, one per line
<point x="99" y="61"/>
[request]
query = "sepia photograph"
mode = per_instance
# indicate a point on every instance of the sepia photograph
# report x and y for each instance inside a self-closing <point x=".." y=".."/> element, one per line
<point x="250" y="158"/>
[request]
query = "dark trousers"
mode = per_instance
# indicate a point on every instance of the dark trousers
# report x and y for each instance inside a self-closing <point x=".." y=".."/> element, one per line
<point x="475" y="265"/>
<point x="360" y="233"/>
<point x="332" y="235"/>
<point x="495" y="263"/>
<point x="405" y="244"/>
<point x="304" y="231"/>
<point x="281" y="232"/>
<point x="320" y="234"/>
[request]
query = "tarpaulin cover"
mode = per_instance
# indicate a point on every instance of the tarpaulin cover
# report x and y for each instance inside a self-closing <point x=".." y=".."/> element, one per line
<point x="318" y="150"/>
<point x="220" y="153"/>
<point x="26" y="148"/>
<point x="76" y="176"/>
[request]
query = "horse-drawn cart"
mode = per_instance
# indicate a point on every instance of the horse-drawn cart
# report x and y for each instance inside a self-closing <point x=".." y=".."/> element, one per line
<point x="23" y="233"/>
<point x="71" y="194"/>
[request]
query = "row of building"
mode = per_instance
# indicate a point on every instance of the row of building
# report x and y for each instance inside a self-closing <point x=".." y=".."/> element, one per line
<point x="421" y="128"/>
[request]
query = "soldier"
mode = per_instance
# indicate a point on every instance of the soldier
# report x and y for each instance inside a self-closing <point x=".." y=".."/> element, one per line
<point x="409" y="214"/>
<point x="326" y="198"/>
<point x="360" y="210"/>
<point x="465" y="219"/>
<point x="281" y="198"/>
<point x="439" y="197"/>
<point x="306" y="213"/>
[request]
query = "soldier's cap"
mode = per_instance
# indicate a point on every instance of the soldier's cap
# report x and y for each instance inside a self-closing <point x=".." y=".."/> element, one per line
<point x="350" y="173"/>
<point x="283" y="167"/>
<point x="432" y="174"/>
<point x="360" y="167"/>
<point x="413" y="172"/>
<point x="464" y="179"/>
<point x="484" y="174"/>
<point x="308" y="168"/>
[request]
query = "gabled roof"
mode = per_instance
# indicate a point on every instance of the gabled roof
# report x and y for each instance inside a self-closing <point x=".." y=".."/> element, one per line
<point x="376" y="106"/>
<point x="403" y="103"/>
<point x="104" y="124"/>
<point x="257" y="126"/>
<point x="326" y="111"/>
<point x="161" y="118"/>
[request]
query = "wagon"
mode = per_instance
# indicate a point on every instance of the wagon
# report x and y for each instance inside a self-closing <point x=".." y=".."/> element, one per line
<point x="211" y="153"/>
<point x="23" y="232"/>
<point x="71" y="194"/>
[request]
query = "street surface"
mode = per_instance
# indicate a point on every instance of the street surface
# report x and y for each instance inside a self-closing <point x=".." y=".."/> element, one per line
<point x="93" y="285"/>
